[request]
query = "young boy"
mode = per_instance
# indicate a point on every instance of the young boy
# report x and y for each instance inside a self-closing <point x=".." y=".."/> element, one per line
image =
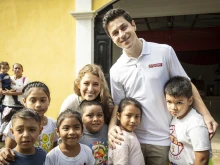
<point x="26" y="127"/>
<point x="95" y="133"/>
<point x="190" y="142"/>
<point x="5" y="82"/>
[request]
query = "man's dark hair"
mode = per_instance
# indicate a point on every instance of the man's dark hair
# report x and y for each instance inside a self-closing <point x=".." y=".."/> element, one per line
<point x="113" y="14"/>
<point x="178" y="86"/>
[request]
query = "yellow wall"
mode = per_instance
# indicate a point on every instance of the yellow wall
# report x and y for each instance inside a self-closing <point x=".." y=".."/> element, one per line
<point x="96" y="4"/>
<point x="40" y="35"/>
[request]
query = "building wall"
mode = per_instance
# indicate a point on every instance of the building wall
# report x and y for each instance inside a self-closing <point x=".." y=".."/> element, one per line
<point x="40" y="35"/>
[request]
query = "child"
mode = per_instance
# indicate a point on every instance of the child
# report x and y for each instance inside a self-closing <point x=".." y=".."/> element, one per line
<point x="129" y="152"/>
<point x="5" y="82"/>
<point x="6" y="116"/>
<point x="26" y="127"/>
<point x="90" y="84"/>
<point x="70" y="151"/>
<point x="37" y="97"/>
<point x="190" y="142"/>
<point x="95" y="134"/>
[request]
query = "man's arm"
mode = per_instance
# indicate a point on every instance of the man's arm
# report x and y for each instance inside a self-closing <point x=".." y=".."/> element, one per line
<point x="199" y="105"/>
<point x="202" y="157"/>
<point x="114" y="131"/>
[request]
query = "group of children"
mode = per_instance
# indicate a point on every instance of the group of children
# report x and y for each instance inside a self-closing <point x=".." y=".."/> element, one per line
<point x="32" y="136"/>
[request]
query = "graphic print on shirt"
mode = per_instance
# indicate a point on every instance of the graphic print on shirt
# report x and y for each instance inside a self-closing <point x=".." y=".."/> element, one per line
<point x="176" y="147"/>
<point x="100" y="152"/>
<point x="46" y="143"/>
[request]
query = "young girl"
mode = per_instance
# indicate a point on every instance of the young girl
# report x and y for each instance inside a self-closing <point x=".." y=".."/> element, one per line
<point x="129" y="117"/>
<point x="37" y="97"/>
<point x="70" y="151"/>
<point x="90" y="84"/>
<point x="6" y="117"/>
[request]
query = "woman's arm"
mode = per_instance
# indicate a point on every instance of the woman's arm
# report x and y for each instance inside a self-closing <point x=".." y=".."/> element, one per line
<point x="8" y="92"/>
<point x="199" y="105"/>
<point x="202" y="157"/>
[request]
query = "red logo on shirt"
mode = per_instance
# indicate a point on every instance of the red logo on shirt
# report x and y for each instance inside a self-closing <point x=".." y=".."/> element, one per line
<point x="155" y="65"/>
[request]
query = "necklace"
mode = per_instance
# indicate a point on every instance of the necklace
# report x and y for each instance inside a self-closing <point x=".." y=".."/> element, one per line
<point x="44" y="122"/>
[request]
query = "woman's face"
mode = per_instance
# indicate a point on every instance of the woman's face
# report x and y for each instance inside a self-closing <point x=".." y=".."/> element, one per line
<point x="89" y="87"/>
<point x="17" y="69"/>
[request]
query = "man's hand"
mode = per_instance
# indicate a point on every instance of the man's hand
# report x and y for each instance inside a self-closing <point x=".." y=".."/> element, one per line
<point x="211" y="124"/>
<point x="115" y="136"/>
<point x="6" y="154"/>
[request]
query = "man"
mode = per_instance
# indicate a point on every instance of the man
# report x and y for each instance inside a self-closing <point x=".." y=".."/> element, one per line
<point x="141" y="72"/>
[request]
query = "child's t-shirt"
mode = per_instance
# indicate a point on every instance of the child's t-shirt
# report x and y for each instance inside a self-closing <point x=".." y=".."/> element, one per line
<point x="129" y="152"/>
<point x="98" y="142"/>
<point x="188" y="134"/>
<point x="2" y="128"/>
<point x="47" y="137"/>
<point x="6" y="81"/>
<point x="56" y="157"/>
<point x="36" y="159"/>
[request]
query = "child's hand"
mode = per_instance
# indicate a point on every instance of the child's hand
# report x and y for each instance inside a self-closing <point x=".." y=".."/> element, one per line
<point x="6" y="154"/>
<point x="115" y="136"/>
<point x="0" y="91"/>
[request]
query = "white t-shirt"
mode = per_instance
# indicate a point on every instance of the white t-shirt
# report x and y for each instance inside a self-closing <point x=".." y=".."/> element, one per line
<point x="128" y="153"/>
<point x="143" y="79"/>
<point x="47" y="137"/>
<point x="56" y="157"/>
<point x="20" y="83"/>
<point x="188" y="134"/>
<point x="71" y="102"/>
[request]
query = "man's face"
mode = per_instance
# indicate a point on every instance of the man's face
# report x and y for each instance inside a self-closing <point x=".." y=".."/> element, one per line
<point x="122" y="32"/>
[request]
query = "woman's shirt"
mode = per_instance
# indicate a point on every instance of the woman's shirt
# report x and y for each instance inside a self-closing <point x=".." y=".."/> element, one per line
<point x="19" y="85"/>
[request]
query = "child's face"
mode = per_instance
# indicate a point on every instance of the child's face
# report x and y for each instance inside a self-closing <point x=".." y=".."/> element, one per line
<point x="178" y="106"/>
<point x="89" y="86"/>
<point x="26" y="132"/>
<point x="93" y="118"/>
<point x="70" y="131"/>
<point x="37" y="100"/>
<point x="4" y="69"/>
<point x="129" y="118"/>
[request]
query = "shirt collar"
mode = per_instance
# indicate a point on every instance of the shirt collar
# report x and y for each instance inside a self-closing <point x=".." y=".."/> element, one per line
<point x="145" y="51"/>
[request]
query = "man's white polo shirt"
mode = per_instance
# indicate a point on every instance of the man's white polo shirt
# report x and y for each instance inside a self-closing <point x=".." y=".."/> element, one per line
<point x="143" y="78"/>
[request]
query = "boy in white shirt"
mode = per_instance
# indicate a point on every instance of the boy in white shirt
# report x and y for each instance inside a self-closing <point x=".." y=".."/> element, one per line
<point x="190" y="142"/>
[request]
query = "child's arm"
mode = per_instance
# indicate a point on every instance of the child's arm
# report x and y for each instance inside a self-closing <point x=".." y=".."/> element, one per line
<point x="0" y="87"/>
<point x="7" y="153"/>
<point x="202" y="157"/>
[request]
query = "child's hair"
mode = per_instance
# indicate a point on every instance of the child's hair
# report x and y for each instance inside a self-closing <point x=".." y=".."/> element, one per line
<point x="113" y="14"/>
<point x="68" y="114"/>
<point x="129" y="101"/>
<point x="26" y="113"/>
<point x="104" y="95"/>
<point x="85" y="103"/>
<point x="3" y="63"/>
<point x="18" y="64"/>
<point x="35" y="84"/>
<point x="7" y="118"/>
<point x="178" y="86"/>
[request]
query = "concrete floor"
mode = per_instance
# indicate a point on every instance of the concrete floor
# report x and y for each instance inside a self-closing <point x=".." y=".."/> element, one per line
<point x="216" y="147"/>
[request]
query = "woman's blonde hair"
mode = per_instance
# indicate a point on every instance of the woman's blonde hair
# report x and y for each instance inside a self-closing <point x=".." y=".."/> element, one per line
<point x="104" y="97"/>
